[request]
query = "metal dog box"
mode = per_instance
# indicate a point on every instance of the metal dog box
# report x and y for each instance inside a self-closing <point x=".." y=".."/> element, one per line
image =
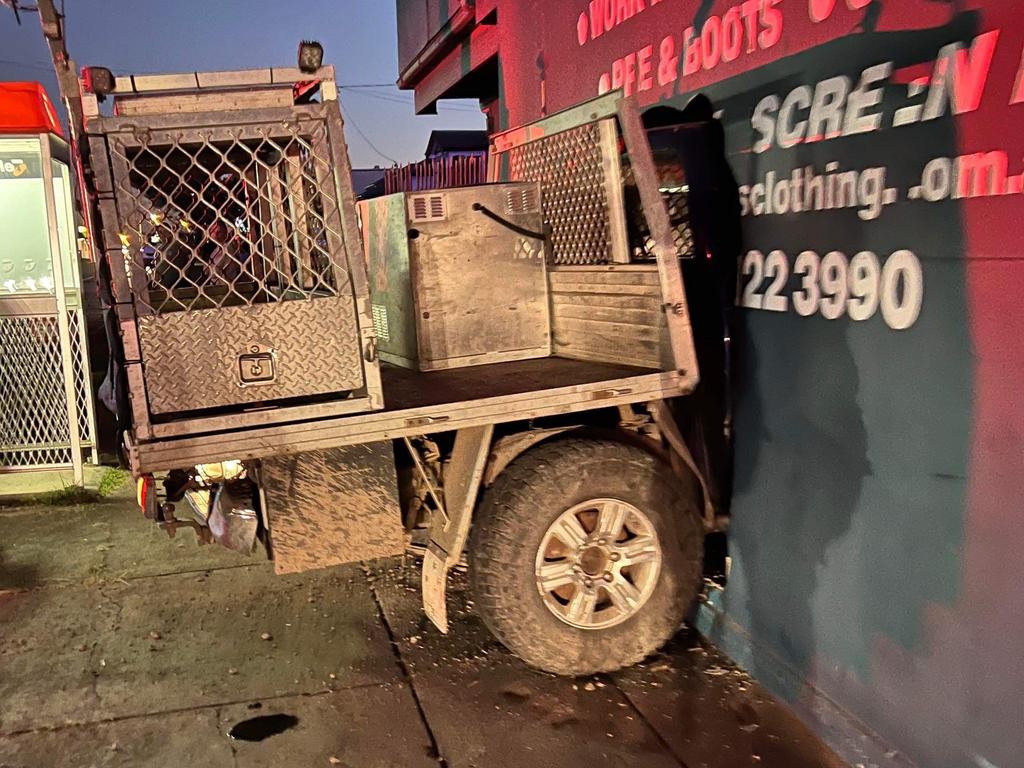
<point x="235" y="261"/>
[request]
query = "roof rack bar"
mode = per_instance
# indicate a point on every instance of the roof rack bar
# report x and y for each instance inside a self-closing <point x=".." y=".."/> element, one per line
<point x="187" y="81"/>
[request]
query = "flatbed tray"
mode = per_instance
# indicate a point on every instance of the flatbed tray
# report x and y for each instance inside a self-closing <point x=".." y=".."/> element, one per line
<point x="425" y="402"/>
<point x="405" y="388"/>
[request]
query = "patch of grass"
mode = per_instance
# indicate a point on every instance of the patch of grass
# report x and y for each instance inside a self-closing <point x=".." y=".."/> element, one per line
<point x="66" y="496"/>
<point x="113" y="481"/>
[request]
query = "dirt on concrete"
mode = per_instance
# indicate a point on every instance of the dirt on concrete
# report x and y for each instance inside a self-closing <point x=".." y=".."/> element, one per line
<point x="121" y="647"/>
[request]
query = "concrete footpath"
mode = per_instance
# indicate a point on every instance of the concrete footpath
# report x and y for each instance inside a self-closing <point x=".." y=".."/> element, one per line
<point x="121" y="647"/>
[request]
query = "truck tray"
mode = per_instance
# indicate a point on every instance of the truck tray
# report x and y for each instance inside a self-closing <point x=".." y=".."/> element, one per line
<point x="436" y="401"/>
<point x="406" y="388"/>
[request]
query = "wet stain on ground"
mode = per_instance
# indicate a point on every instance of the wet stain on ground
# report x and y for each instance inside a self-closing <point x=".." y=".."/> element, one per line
<point x="263" y="727"/>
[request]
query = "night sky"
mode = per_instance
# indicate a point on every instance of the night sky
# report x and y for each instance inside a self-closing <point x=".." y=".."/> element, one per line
<point x="359" y="38"/>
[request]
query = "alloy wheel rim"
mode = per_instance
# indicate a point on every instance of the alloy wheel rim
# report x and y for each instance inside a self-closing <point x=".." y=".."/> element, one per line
<point x="598" y="563"/>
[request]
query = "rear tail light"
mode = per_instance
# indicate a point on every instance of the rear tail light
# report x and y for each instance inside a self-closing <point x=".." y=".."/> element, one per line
<point x="146" y="496"/>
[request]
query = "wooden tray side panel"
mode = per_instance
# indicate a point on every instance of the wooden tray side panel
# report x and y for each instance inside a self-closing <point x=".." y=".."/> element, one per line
<point x="610" y="315"/>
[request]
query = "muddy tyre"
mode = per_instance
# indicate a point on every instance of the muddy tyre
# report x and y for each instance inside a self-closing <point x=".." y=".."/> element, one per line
<point x="586" y="555"/>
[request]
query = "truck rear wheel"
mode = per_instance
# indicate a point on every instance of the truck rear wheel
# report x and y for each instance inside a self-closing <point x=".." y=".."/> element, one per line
<point x="586" y="555"/>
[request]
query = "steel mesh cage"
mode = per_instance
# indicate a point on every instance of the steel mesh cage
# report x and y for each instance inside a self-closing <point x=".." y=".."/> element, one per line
<point x="232" y="243"/>
<point x="583" y="177"/>
<point x="676" y="202"/>
<point x="679" y="216"/>
<point x="571" y="168"/>
<point x="33" y="408"/>
<point x="222" y="217"/>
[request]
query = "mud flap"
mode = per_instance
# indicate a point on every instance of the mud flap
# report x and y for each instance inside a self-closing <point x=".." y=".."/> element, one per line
<point x="333" y="506"/>
<point x="434" y="586"/>
<point x="448" y="533"/>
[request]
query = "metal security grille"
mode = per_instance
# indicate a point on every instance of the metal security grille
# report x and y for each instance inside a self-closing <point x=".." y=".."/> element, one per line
<point x="83" y="383"/>
<point x="228" y="216"/>
<point x="33" y="407"/>
<point x="679" y="217"/>
<point x="576" y="171"/>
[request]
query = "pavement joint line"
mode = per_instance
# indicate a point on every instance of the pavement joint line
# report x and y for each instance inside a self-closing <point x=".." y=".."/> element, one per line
<point x="191" y="571"/>
<point x="404" y="668"/>
<point x="643" y="718"/>
<point x="13" y="510"/>
<point x="216" y="706"/>
<point x="99" y="584"/>
<point x="231" y="742"/>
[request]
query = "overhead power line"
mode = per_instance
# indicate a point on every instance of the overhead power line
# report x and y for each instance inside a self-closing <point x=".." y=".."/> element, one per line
<point x="354" y="124"/>
<point x="396" y="98"/>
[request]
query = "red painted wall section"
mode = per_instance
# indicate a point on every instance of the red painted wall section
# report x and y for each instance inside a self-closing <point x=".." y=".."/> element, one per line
<point x="414" y="30"/>
<point x="485" y="8"/>
<point x="981" y="640"/>
<point x="880" y="458"/>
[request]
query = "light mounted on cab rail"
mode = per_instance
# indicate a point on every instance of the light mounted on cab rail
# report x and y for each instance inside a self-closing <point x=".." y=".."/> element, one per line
<point x="98" y="80"/>
<point x="311" y="56"/>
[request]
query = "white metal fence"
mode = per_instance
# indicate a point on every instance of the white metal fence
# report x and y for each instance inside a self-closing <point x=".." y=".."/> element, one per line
<point x="46" y="403"/>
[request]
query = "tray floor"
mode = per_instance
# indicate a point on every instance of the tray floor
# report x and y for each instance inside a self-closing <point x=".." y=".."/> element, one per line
<point x="405" y="388"/>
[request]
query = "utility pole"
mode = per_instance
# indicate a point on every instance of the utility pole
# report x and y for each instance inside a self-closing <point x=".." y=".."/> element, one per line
<point x="52" y="23"/>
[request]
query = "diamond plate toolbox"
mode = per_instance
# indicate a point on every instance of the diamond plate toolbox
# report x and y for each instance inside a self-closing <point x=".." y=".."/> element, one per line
<point x="242" y="355"/>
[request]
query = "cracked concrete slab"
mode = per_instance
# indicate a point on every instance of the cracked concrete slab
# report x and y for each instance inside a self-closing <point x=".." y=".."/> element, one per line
<point x="396" y="583"/>
<point x="96" y="542"/>
<point x="487" y="708"/>
<point x="362" y="727"/>
<point x="495" y="715"/>
<point x="174" y="642"/>
<point x="712" y="713"/>
<point x="178" y="739"/>
<point x="120" y="647"/>
<point x="368" y="727"/>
